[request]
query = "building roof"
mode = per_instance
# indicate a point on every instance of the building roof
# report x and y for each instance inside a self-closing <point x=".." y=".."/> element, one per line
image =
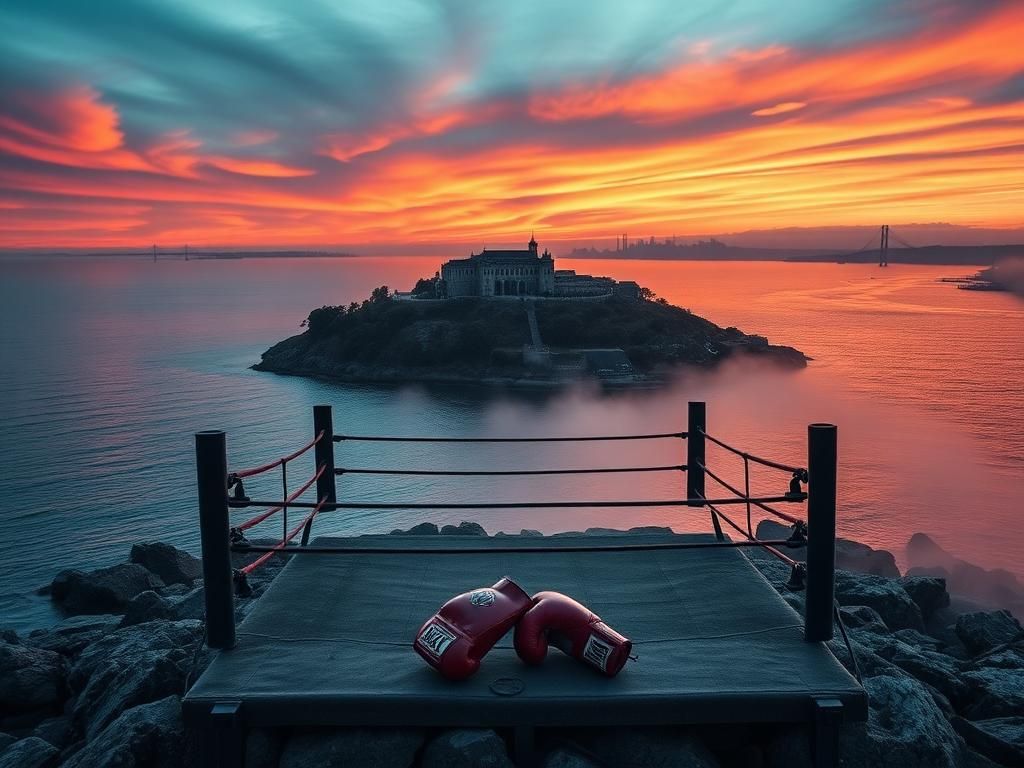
<point x="505" y="254"/>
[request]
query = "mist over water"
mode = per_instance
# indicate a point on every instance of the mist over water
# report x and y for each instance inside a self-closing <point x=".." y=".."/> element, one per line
<point x="110" y="366"/>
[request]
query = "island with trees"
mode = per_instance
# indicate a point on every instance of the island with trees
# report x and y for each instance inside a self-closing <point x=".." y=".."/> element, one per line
<point x="518" y="341"/>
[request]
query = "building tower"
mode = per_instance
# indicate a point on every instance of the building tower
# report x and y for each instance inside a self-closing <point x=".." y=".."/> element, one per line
<point x="532" y="245"/>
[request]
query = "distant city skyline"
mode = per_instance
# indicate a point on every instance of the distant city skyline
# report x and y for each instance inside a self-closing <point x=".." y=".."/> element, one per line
<point x="270" y="123"/>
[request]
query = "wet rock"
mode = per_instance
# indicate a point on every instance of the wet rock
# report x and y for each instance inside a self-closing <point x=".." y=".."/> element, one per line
<point x="55" y="730"/>
<point x="929" y="592"/>
<point x="352" y="748"/>
<point x="146" y="736"/>
<point x="994" y="692"/>
<point x="172" y="565"/>
<point x="31" y="680"/>
<point x="106" y="590"/>
<point x="423" y="529"/>
<point x="982" y="631"/>
<point x="905" y="729"/>
<point x="263" y="748"/>
<point x="134" y="665"/>
<point x="652" y="748"/>
<point x="863" y="617"/>
<point x="70" y="636"/>
<point x="466" y="748"/>
<point x="465" y="528"/>
<point x="147" y="606"/>
<point x="29" y="753"/>
<point x="999" y="739"/>
<point x="886" y="596"/>
<point x="937" y="670"/>
<point x="191" y="605"/>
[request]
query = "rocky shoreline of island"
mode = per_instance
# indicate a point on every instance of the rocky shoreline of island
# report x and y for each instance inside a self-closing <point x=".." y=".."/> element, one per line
<point x="943" y="668"/>
<point x="516" y="343"/>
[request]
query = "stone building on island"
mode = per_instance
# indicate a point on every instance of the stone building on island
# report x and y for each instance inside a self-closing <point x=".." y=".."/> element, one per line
<point x="522" y="273"/>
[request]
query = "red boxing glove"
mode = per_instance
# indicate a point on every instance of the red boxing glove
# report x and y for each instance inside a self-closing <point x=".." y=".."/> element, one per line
<point x="455" y="638"/>
<point x="574" y="630"/>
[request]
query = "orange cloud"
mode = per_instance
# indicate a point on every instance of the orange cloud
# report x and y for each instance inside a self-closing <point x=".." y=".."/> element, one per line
<point x="779" y="109"/>
<point x="255" y="167"/>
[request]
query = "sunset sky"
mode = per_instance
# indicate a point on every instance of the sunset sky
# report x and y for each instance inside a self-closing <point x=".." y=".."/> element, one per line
<point x="279" y="122"/>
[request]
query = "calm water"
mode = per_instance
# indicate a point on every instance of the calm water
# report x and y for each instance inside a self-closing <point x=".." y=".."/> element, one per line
<point x="110" y="366"/>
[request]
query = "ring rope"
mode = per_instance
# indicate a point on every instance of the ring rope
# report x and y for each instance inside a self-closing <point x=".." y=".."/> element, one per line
<point x="505" y="472"/>
<point x="766" y="545"/>
<point x="276" y="506"/>
<point x="243" y="473"/>
<point x="752" y="457"/>
<point x="284" y="541"/>
<point x="765" y="507"/>
<point x="589" y="438"/>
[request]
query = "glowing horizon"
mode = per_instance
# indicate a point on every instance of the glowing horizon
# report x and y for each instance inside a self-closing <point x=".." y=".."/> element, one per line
<point x="146" y="122"/>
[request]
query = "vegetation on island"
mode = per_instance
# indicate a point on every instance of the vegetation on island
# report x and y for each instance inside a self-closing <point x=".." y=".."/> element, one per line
<point x="391" y="338"/>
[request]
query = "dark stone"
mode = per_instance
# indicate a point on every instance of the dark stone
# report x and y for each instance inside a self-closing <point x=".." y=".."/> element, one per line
<point x="135" y="665"/>
<point x="263" y="748"/>
<point x="1010" y="657"/>
<point x="929" y="592"/>
<point x="31" y="680"/>
<point x="652" y="748"/>
<point x="466" y="748"/>
<point x="850" y="555"/>
<point x="905" y="729"/>
<point x="172" y="565"/>
<point x="1000" y="739"/>
<point x="650" y="529"/>
<point x="886" y="596"/>
<point x="147" y="606"/>
<point x="147" y="736"/>
<point x="937" y="670"/>
<point x="863" y="617"/>
<point x="604" y="532"/>
<point x="351" y="747"/>
<point x="6" y="740"/>
<point x="55" y="730"/>
<point x="10" y="636"/>
<point x="29" y="753"/>
<point x="106" y="590"/>
<point x="994" y="692"/>
<point x="465" y="528"/>
<point x="918" y="639"/>
<point x="530" y="532"/>
<point x="70" y="636"/>
<point x="422" y="529"/>
<point x="564" y="758"/>
<point x="982" y="631"/>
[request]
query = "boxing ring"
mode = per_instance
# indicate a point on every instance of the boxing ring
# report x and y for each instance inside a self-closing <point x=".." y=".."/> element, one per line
<point x="329" y="642"/>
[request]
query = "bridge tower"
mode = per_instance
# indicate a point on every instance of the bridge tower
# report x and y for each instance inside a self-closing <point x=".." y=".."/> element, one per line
<point x="883" y="247"/>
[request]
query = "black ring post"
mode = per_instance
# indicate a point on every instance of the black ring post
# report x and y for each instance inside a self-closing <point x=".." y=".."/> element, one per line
<point x="323" y="453"/>
<point x="821" y="531"/>
<point x="214" y="530"/>
<point x="695" y="427"/>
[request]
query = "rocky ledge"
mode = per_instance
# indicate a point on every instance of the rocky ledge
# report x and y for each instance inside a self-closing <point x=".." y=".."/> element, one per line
<point x="103" y="688"/>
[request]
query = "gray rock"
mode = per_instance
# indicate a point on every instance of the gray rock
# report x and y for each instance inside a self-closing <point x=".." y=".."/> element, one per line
<point x="937" y="670"/>
<point x="465" y="528"/>
<point x="604" y="532"/>
<point x="650" y="529"/>
<point x="352" y="748"/>
<point x="905" y="729"/>
<point x="31" y="679"/>
<point x="192" y="604"/>
<point x="73" y="634"/>
<point x="562" y="534"/>
<point x="422" y="529"/>
<point x="1010" y="657"/>
<point x="29" y="753"/>
<point x="850" y="555"/>
<point x="982" y="631"/>
<point x="466" y="748"/>
<point x="172" y="565"/>
<point x="994" y="692"/>
<point x="863" y="617"/>
<point x="652" y="748"/>
<point x="929" y="592"/>
<point x="175" y="590"/>
<point x="886" y="596"/>
<point x="564" y="758"/>
<point x="262" y="748"/>
<point x="530" y="532"/>
<point x="106" y="590"/>
<point x="147" y="736"/>
<point x="55" y="730"/>
<point x="918" y="639"/>
<point x="1000" y="739"/>
<point x="132" y="666"/>
<point x="9" y="636"/>
<point x="148" y="606"/>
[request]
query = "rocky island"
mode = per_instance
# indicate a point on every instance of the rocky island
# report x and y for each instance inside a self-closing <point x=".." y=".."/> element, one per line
<point x="524" y="341"/>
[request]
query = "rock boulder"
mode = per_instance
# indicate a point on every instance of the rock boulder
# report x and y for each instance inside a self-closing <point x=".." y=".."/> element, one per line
<point x="148" y="606"/>
<point x="466" y="748"/>
<point x="30" y="753"/>
<point x="929" y="592"/>
<point x="172" y="565"/>
<point x="982" y="631"/>
<point x="465" y="528"/>
<point x="999" y="739"/>
<point x="886" y="596"/>
<point x="994" y="692"/>
<point x="147" y="736"/>
<point x="70" y="636"/>
<point x="422" y="529"/>
<point x="106" y="590"/>
<point x="31" y="680"/>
